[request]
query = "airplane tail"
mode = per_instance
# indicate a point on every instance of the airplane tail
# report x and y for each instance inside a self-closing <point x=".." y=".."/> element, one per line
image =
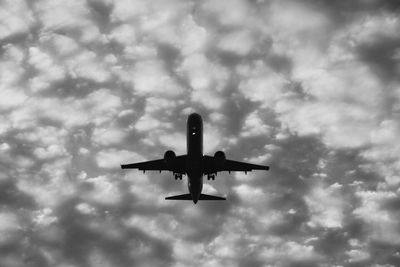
<point x="189" y="197"/>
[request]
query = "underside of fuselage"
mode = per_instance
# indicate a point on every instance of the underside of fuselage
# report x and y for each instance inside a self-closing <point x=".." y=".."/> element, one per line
<point x="194" y="168"/>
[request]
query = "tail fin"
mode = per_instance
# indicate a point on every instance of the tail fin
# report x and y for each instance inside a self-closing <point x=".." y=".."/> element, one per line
<point x="189" y="197"/>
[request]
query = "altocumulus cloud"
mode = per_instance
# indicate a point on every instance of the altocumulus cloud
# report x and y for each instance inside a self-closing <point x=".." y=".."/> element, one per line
<point x="309" y="87"/>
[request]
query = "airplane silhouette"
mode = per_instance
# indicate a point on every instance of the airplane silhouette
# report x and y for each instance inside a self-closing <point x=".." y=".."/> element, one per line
<point x="194" y="164"/>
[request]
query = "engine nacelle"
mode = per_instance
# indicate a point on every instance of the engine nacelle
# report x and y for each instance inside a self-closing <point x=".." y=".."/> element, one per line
<point x="219" y="159"/>
<point x="169" y="156"/>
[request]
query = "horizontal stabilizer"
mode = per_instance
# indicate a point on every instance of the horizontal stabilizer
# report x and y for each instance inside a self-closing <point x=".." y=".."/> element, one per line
<point x="189" y="197"/>
<point x="180" y="197"/>
<point x="209" y="197"/>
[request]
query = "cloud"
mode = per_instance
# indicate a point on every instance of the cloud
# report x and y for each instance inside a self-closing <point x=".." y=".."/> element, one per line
<point x="326" y="206"/>
<point x="16" y="18"/>
<point x="112" y="158"/>
<point x="208" y="80"/>
<point x="150" y="78"/>
<point x="309" y="88"/>
<point x="107" y="136"/>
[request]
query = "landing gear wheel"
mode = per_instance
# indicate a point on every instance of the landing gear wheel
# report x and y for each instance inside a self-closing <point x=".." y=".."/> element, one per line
<point x="178" y="176"/>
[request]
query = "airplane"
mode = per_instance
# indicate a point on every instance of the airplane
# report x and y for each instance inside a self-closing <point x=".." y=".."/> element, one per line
<point x="194" y="164"/>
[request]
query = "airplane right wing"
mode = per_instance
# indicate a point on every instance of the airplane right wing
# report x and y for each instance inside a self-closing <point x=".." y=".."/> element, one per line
<point x="176" y="165"/>
<point x="212" y="166"/>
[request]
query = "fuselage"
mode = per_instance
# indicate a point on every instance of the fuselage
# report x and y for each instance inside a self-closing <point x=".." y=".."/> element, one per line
<point x="194" y="142"/>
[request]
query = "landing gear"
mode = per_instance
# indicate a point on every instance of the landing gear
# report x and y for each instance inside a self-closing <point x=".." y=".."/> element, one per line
<point x="211" y="176"/>
<point x="178" y="176"/>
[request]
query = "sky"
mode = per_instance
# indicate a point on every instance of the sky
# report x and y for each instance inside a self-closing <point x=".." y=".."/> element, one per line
<point x="310" y="88"/>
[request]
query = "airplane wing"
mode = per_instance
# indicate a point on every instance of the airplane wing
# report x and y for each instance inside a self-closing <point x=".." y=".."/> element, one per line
<point x="177" y="165"/>
<point x="211" y="166"/>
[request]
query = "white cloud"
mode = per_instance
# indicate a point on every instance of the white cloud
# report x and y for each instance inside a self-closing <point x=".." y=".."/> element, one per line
<point x="309" y="75"/>
<point x="105" y="191"/>
<point x="261" y="84"/>
<point x="11" y="98"/>
<point x="9" y="226"/>
<point x="229" y="13"/>
<point x="194" y="37"/>
<point x="44" y="136"/>
<point x="287" y="19"/>
<point x="126" y="10"/>
<point x="187" y="252"/>
<point x="50" y="152"/>
<point x="384" y="152"/>
<point x="326" y="206"/>
<point x="156" y="108"/>
<point x="108" y="136"/>
<point x="357" y="255"/>
<point x="207" y="79"/>
<point x="371" y="28"/>
<point x="11" y="68"/>
<point x="164" y="227"/>
<point x="250" y="194"/>
<point x="204" y="74"/>
<point x="212" y="138"/>
<point x="147" y="123"/>
<point x="44" y="217"/>
<point x="383" y="223"/>
<point x="353" y="82"/>
<point x="15" y="18"/>
<point x="85" y="208"/>
<point x="64" y="45"/>
<point x="150" y="78"/>
<point x="8" y="221"/>
<point x="98" y="107"/>
<point x="124" y="34"/>
<point x="113" y="158"/>
<point x="174" y="141"/>
<point x="289" y="251"/>
<point x="60" y="15"/>
<point x="254" y="126"/>
<point x="87" y="65"/>
<point x="240" y="42"/>
<point x="50" y="186"/>
<point x="49" y="70"/>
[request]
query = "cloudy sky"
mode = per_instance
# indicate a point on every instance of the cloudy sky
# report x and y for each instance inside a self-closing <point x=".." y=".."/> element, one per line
<point x="310" y="88"/>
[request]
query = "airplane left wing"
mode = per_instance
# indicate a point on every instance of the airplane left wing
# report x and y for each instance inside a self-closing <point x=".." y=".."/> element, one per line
<point x="212" y="166"/>
<point x="176" y="165"/>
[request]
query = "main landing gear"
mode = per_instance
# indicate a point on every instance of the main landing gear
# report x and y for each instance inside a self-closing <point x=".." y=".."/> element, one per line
<point x="178" y="176"/>
<point x="211" y="176"/>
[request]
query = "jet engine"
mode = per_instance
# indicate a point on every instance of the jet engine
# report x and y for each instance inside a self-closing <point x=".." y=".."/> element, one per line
<point x="169" y="156"/>
<point x="219" y="159"/>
